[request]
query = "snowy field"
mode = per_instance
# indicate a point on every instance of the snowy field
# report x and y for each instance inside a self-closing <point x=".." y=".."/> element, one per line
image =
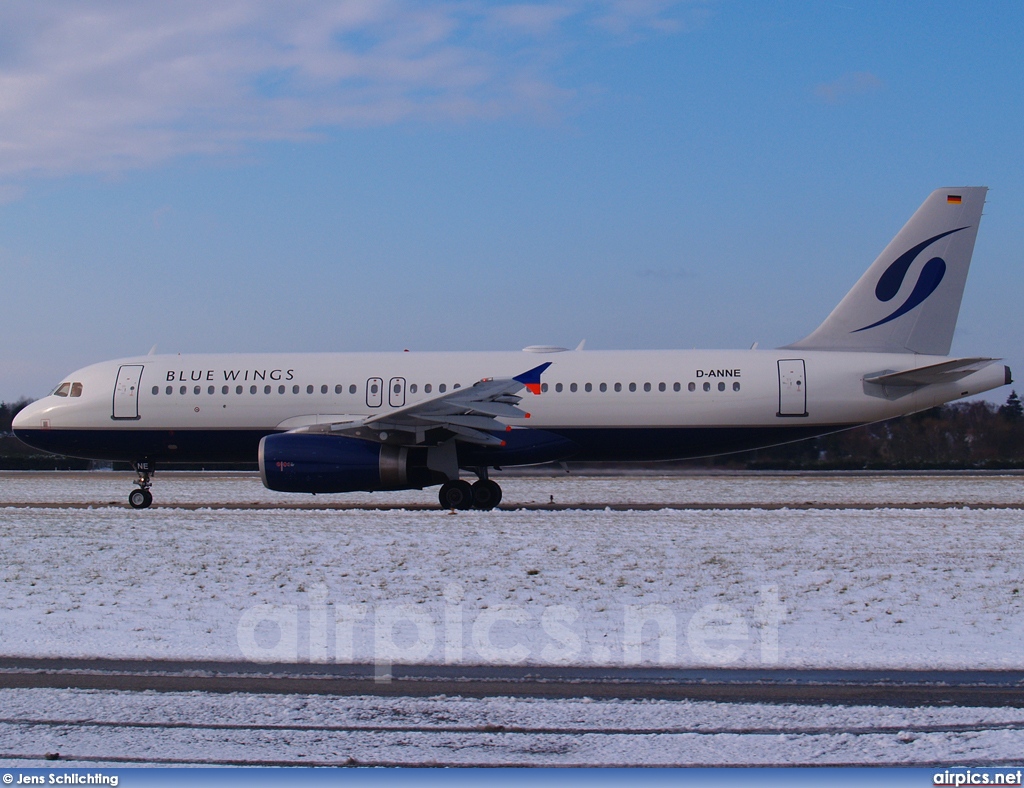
<point x="882" y="588"/>
<point x="115" y="728"/>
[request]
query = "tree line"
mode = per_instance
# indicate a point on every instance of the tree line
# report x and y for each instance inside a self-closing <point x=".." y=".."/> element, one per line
<point x="958" y="435"/>
<point x="965" y="435"/>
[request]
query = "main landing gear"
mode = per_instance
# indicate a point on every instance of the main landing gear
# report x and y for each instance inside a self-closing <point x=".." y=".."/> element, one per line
<point x="142" y="498"/>
<point x="460" y="494"/>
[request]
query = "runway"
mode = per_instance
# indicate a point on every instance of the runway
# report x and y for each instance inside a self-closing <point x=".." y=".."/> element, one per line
<point x="574" y="507"/>
<point x="987" y="688"/>
<point x="589" y="506"/>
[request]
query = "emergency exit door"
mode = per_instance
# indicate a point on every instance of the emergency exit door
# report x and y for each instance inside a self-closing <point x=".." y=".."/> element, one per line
<point x="792" y="387"/>
<point x="396" y="393"/>
<point x="126" y="392"/>
<point x="374" y="392"/>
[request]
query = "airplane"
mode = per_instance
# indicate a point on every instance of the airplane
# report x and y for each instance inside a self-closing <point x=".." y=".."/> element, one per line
<point x="342" y="422"/>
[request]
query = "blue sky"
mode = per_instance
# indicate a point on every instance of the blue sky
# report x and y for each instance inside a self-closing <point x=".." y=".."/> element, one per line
<point x="311" y="176"/>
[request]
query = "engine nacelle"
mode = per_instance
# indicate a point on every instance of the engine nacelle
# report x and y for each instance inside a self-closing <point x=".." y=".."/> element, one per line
<point x="311" y="463"/>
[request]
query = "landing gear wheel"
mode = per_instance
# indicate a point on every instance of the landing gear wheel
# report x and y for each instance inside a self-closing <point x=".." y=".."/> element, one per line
<point x="486" y="494"/>
<point x="456" y="495"/>
<point x="140" y="499"/>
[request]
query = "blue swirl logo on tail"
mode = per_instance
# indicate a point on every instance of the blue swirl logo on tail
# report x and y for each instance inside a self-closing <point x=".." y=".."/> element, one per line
<point x="890" y="282"/>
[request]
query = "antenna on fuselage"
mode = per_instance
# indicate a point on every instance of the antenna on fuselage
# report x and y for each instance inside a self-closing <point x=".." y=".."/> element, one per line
<point x="152" y="351"/>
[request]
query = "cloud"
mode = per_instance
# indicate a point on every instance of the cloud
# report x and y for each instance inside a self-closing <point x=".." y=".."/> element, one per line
<point x="104" y="86"/>
<point x="852" y="84"/>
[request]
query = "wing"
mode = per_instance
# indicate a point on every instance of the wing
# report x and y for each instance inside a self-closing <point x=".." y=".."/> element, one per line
<point x="469" y="415"/>
<point x="945" y="372"/>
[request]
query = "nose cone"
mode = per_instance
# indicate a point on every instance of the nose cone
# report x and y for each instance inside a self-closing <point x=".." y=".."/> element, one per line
<point x="31" y="423"/>
<point x="25" y="417"/>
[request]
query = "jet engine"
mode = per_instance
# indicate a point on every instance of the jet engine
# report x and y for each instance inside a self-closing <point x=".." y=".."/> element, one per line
<point x="311" y="463"/>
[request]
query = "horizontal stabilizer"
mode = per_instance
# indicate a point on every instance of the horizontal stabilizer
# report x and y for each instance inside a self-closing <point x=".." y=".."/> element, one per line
<point x="946" y="372"/>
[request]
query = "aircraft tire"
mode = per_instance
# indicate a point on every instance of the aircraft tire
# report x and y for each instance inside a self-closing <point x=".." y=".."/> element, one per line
<point x="456" y="495"/>
<point x="140" y="499"/>
<point x="486" y="494"/>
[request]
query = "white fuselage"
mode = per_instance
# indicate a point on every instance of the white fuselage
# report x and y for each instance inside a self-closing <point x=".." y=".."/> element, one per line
<point x="601" y="399"/>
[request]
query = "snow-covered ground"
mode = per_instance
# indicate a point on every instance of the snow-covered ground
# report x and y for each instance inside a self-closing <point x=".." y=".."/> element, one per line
<point x="464" y="731"/>
<point x="890" y="588"/>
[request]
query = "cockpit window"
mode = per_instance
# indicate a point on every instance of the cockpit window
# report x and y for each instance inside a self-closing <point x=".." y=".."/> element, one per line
<point x="62" y="390"/>
<point x="76" y="389"/>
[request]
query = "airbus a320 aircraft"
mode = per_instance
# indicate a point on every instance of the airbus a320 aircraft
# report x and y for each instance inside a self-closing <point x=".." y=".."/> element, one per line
<point x="340" y="422"/>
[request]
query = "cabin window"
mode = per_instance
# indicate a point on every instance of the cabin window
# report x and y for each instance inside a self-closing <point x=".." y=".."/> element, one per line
<point x="442" y="388"/>
<point x="707" y="387"/>
<point x="62" y="390"/>
<point x="183" y="389"/>
<point x="238" y="389"/>
<point x="558" y="388"/>
<point x="252" y="389"/>
<point x="661" y="387"/>
<point x="588" y="388"/>
<point x="156" y="389"/>
<point x="721" y="386"/>
<point x="604" y="387"/>
<point x="543" y="387"/>
<point x="323" y="389"/>
<point x="676" y="387"/>
<point x="280" y="389"/>
<point x="457" y="386"/>
<point x="224" y="390"/>
<point x="352" y="389"/>
<point x="736" y="386"/>
<point x="618" y="387"/>
<point x="266" y="389"/>
<point x="295" y="389"/>
<point x="691" y="387"/>
<point x="632" y="386"/>
<point x="211" y="390"/>
<point x="573" y="387"/>
<point x="428" y="388"/>
<point x="338" y="389"/>
<point x="197" y="390"/>
<point x="170" y="389"/>
<point x="373" y="389"/>
<point x="647" y="386"/>
<point x="412" y="388"/>
<point x="309" y="389"/>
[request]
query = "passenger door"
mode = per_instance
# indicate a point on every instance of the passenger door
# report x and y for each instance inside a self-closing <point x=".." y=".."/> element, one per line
<point x="126" y="392"/>
<point x="792" y="387"/>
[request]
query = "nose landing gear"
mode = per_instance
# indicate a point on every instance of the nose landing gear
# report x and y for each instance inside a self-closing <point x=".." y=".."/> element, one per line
<point x="142" y="498"/>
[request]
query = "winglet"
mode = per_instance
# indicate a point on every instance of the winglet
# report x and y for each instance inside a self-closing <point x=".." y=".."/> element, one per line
<point x="531" y="378"/>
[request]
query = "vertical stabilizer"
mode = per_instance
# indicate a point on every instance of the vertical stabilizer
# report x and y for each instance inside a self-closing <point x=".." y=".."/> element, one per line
<point x="909" y="299"/>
